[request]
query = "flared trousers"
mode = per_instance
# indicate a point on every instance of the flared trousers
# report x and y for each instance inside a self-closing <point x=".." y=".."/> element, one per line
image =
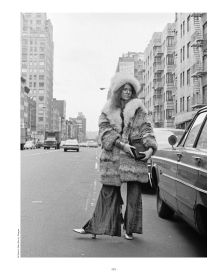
<point x="107" y="217"/>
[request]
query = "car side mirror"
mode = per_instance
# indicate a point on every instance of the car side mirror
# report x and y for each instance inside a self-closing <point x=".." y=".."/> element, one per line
<point x="172" y="139"/>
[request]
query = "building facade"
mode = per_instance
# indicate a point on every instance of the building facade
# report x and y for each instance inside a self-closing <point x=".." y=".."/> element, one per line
<point x="191" y="65"/>
<point x="175" y="71"/>
<point x="37" y="50"/>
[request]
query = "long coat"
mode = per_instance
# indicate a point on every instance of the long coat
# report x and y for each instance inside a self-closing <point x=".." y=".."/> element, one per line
<point x="116" y="166"/>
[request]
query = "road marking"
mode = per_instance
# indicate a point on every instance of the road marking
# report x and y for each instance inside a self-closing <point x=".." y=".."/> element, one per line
<point x="36" y="201"/>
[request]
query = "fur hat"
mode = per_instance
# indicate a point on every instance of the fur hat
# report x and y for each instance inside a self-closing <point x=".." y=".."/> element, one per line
<point x="120" y="78"/>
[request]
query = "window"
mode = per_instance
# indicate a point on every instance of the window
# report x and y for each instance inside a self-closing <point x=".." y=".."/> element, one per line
<point x="170" y="59"/>
<point x="188" y="23"/>
<point x="188" y="77"/>
<point x="188" y="49"/>
<point x="42" y="56"/>
<point x="202" y="143"/>
<point x="38" y="21"/>
<point x="35" y="84"/>
<point x="169" y="114"/>
<point x="30" y="84"/>
<point x="181" y="30"/>
<point x="41" y="98"/>
<point x="176" y="106"/>
<point x="169" y="95"/>
<point x="169" y="78"/>
<point x="183" y="27"/>
<point x="41" y="77"/>
<point x="40" y="119"/>
<point x="41" y="84"/>
<point x="183" y="104"/>
<point x="170" y="41"/>
<point x="191" y="137"/>
<point x="183" y="77"/>
<point x="30" y="77"/>
<point x="180" y="79"/>
<point x="183" y="53"/>
<point x="188" y="104"/>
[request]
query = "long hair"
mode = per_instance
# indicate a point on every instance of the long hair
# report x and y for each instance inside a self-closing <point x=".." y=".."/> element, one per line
<point x="116" y="96"/>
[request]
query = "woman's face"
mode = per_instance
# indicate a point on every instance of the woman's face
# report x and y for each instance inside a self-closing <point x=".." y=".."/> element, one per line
<point x="126" y="92"/>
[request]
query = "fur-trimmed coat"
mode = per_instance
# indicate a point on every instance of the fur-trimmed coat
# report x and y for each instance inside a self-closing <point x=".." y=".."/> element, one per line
<point x="115" y="165"/>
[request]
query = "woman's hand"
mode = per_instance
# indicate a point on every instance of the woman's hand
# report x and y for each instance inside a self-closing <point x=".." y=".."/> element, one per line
<point x="127" y="149"/>
<point x="147" y="154"/>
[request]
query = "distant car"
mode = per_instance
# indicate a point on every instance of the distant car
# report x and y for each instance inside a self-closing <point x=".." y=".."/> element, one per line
<point x="71" y="144"/>
<point x="62" y="143"/>
<point x="92" y="144"/>
<point x="50" y="142"/>
<point x="180" y="173"/>
<point x="29" y="145"/>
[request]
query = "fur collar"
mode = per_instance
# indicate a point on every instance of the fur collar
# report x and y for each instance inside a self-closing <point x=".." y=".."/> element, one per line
<point x="113" y="114"/>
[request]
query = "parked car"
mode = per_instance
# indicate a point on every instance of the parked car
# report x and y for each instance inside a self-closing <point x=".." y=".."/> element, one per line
<point x="71" y="144"/>
<point x="62" y="143"/>
<point x="92" y="144"/>
<point x="180" y="173"/>
<point x="29" y="145"/>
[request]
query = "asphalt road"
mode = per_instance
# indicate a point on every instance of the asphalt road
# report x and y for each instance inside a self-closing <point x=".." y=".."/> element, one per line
<point x="58" y="193"/>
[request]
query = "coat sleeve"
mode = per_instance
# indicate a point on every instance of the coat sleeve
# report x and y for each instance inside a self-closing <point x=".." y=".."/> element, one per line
<point x="147" y="133"/>
<point x="107" y="134"/>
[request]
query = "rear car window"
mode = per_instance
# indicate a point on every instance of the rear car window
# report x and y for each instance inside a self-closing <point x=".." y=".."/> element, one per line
<point x="192" y="134"/>
<point x="202" y="143"/>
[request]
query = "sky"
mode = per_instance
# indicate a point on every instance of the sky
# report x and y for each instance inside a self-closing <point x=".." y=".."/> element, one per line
<point x="86" y="51"/>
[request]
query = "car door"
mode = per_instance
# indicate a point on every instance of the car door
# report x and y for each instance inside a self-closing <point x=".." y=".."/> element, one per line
<point x="188" y="168"/>
<point x="166" y="162"/>
<point x="202" y="161"/>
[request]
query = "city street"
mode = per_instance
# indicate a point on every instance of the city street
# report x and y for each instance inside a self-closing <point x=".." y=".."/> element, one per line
<point x="59" y="192"/>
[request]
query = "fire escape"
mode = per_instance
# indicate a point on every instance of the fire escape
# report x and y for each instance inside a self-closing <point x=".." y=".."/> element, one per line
<point x="197" y="70"/>
<point x="158" y="84"/>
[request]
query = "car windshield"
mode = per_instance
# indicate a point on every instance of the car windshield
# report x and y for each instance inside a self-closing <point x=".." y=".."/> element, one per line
<point x="71" y="142"/>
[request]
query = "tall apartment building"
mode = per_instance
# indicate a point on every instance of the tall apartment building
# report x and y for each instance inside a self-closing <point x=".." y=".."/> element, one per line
<point x="81" y="122"/>
<point x="37" y="50"/>
<point x="153" y="79"/>
<point x="191" y="67"/>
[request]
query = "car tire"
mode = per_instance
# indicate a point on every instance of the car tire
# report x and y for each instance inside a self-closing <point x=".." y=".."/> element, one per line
<point x="64" y="150"/>
<point x="163" y="210"/>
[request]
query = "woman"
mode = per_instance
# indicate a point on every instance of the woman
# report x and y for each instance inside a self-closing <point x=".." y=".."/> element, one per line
<point x="124" y="116"/>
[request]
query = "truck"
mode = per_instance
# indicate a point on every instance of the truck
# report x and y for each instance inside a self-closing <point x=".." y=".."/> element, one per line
<point x="52" y="139"/>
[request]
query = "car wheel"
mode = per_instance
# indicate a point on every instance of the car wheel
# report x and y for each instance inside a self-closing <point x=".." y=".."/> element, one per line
<point x="163" y="210"/>
<point x="64" y="150"/>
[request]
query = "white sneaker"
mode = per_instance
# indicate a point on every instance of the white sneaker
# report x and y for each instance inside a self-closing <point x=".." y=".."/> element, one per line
<point x="80" y="230"/>
<point x="129" y="236"/>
